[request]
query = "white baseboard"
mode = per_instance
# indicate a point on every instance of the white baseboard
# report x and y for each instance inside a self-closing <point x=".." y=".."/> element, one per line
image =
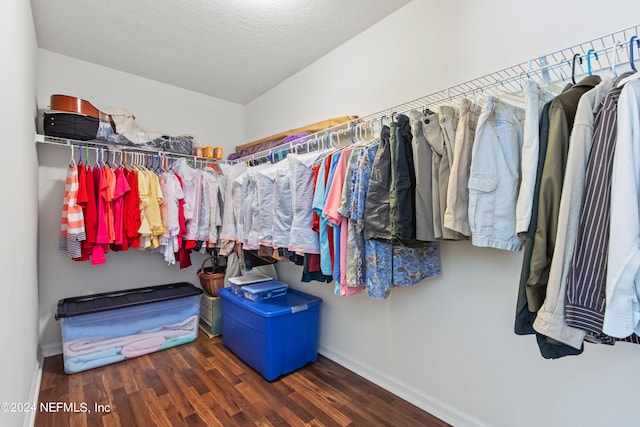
<point x="34" y="394"/>
<point x="52" y="349"/>
<point x="430" y="404"/>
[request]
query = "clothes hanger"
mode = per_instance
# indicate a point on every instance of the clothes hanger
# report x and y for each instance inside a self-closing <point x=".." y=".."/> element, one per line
<point x="372" y="125"/>
<point x="562" y="76"/>
<point x="331" y="149"/>
<point x="427" y="111"/>
<point x="144" y="160"/>
<point x="573" y="67"/>
<point x="631" y="60"/>
<point x="479" y="97"/>
<point x="614" y="63"/>
<point x="72" y="161"/>
<point x="167" y="164"/>
<point x="362" y="131"/>
<point x="108" y="155"/>
<point x="382" y="121"/>
<point x="636" y="74"/>
<point x="516" y="95"/>
<point x="337" y="142"/>
<point x="595" y="55"/>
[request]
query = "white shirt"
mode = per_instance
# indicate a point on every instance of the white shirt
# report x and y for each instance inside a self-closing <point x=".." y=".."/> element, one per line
<point x="172" y="194"/>
<point x="228" y="231"/>
<point x="192" y="183"/>
<point x="622" y="311"/>
<point x="302" y="238"/>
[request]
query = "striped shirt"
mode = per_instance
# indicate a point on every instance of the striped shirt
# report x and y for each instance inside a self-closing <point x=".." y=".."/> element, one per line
<point x="72" y="230"/>
<point x="585" y="291"/>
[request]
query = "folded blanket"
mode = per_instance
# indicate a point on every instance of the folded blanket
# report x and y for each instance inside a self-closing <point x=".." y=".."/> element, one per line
<point x="172" y="342"/>
<point x="134" y="320"/>
<point x="186" y="327"/>
<point x="143" y="346"/>
<point x="92" y="360"/>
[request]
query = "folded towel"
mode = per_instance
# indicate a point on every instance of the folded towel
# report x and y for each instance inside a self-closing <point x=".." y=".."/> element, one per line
<point x="130" y="321"/>
<point x="172" y="342"/>
<point x="143" y="346"/>
<point x="92" y="360"/>
<point x="186" y="327"/>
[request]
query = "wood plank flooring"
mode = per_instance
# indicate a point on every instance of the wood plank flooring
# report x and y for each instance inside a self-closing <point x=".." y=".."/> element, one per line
<point x="204" y="384"/>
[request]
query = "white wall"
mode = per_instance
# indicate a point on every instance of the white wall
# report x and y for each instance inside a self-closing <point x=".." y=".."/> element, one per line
<point x="19" y="360"/>
<point x="157" y="106"/>
<point x="447" y="344"/>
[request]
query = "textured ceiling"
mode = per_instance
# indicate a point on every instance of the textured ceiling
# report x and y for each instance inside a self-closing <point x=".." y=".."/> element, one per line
<point x="230" y="49"/>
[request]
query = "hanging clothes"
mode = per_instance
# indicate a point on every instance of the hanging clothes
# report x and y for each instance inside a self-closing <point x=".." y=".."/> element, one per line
<point x="341" y="184"/>
<point x="83" y="202"/>
<point x="211" y="188"/>
<point x="494" y="176"/>
<point x="319" y="199"/>
<point x="282" y="210"/>
<point x="456" y="215"/>
<point x="229" y="232"/>
<point x="121" y="189"/>
<point x="101" y="245"/>
<point x="585" y="289"/>
<point x="131" y="217"/>
<point x="302" y="239"/>
<point x="622" y="311"/>
<point x="535" y="99"/>
<point x="561" y="117"/>
<point x="376" y="219"/>
<point x="72" y="231"/>
<point x="173" y="195"/>
<point x="550" y="320"/>
<point x="403" y="182"/>
<point x="125" y="207"/>
<point x="423" y="158"/>
<point x="439" y="131"/>
<point x="356" y="259"/>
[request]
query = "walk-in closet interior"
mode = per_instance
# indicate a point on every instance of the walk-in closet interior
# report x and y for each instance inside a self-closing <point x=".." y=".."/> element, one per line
<point x="460" y="341"/>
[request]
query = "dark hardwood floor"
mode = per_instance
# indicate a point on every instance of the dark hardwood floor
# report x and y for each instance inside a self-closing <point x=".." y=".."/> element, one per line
<point x="204" y="384"/>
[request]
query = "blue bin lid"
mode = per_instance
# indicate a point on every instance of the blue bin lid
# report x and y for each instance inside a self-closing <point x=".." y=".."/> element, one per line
<point x="291" y="302"/>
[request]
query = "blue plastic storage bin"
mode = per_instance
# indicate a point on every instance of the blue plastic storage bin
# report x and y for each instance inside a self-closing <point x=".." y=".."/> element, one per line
<point x="110" y="327"/>
<point x="274" y="336"/>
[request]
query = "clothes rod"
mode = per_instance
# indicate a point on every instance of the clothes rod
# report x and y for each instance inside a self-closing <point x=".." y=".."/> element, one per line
<point x="612" y="50"/>
<point x="45" y="139"/>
